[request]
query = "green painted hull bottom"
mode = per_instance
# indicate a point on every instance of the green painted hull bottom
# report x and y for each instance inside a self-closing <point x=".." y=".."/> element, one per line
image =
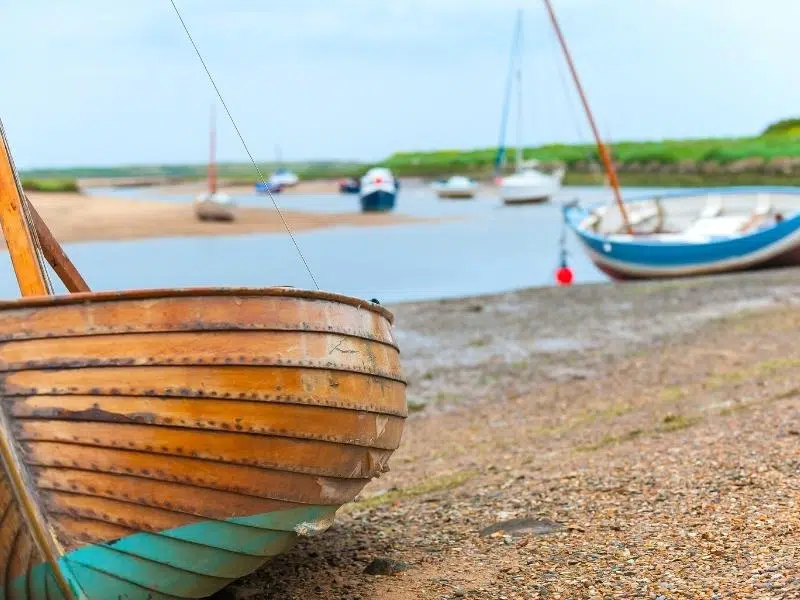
<point x="193" y="561"/>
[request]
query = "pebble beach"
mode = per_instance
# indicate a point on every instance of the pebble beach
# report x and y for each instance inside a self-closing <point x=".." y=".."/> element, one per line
<point x="603" y="441"/>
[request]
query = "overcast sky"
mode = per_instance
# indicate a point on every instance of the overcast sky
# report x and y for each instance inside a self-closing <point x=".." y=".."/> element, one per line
<point x="93" y="82"/>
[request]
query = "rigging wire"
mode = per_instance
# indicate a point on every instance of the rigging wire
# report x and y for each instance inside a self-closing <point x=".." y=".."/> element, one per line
<point x="244" y="144"/>
<point x="558" y="61"/>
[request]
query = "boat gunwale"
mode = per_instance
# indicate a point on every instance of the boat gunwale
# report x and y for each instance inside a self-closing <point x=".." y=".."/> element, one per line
<point x="189" y="292"/>
<point x="686" y="193"/>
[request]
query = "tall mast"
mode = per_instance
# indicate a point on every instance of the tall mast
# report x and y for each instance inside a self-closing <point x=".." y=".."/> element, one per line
<point x="24" y="255"/>
<point x="605" y="155"/>
<point x="519" y="99"/>
<point x="499" y="160"/>
<point x="212" y="167"/>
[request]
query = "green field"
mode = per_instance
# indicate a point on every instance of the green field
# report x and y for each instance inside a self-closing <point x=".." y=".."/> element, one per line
<point x="765" y="158"/>
<point x="50" y="184"/>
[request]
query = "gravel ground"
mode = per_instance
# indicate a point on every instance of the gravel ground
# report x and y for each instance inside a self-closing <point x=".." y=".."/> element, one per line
<point x="606" y="441"/>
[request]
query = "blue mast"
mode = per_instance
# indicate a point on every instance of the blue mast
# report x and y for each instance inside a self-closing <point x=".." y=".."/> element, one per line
<point x="501" y="149"/>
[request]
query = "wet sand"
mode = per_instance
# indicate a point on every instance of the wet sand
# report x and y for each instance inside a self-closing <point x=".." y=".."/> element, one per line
<point x="79" y="218"/>
<point x="317" y="186"/>
<point x="603" y="441"/>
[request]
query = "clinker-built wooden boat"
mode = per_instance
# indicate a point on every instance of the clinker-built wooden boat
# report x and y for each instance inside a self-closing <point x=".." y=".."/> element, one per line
<point x="160" y="444"/>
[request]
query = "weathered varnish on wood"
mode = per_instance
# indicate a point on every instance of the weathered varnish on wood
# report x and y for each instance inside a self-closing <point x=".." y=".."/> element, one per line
<point x="18" y="236"/>
<point x="158" y="444"/>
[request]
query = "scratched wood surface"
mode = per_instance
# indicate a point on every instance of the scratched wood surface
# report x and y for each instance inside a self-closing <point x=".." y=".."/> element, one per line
<point x="146" y="412"/>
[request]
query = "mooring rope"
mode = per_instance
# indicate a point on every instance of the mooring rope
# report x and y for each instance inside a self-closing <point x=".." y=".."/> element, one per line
<point x="244" y="144"/>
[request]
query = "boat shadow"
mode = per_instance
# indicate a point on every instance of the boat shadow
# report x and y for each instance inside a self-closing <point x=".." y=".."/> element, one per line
<point x="329" y="565"/>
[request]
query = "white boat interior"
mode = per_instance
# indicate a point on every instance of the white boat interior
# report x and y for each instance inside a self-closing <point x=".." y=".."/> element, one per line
<point x="695" y="218"/>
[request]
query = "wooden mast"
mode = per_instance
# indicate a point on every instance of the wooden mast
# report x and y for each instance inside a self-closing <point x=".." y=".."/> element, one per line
<point x="19" y="239"/>
<point x="22" y="242"/>
<point x="54" y="254"/>
<point x="605" y="155"/>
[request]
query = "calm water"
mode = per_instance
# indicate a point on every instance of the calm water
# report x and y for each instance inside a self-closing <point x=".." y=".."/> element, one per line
<point x="484" y="248"/>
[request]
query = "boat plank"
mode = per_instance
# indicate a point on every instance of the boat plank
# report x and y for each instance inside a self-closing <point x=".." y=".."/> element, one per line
<point x="297" y="385"/>
<point x="191" y="500"/>
<point x="18" y="567"/>
<point x="82" y="532"/>
<point x="254" y="481"/>
<point x="114" y="512"/>
<point x="301" y="456"/>
<point x="359" y="428"/>
<point x="320" y="350"/>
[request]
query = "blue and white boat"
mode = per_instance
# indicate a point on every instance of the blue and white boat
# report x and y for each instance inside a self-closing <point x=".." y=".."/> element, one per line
<point x="268" y="187"/>
<point x="284" y="178"/>
<point x="378" y="190"/>
<point x="689" y="233"/>
<point x="700" y="232"/>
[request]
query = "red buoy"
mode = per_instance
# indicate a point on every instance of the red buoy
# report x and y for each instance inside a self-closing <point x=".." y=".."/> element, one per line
<point x="564" y="276"/>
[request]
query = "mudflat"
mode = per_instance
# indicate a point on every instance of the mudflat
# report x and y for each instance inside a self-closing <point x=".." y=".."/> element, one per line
<point x="604" y="441"/>
<point x="74" y="217"/>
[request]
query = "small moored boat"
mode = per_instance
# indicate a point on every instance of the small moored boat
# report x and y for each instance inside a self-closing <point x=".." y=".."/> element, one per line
<point x="737" y="229"/>
<point x="457" y="186"/>
<point x="266" y="187"/>
<point x="212" y="205"/>
<point x="158" y="444"/>
<point x="378" y="190"/>
<point x="284" y="178"/>
<point x="529" y="185"/>
<point x="349" y="186"/>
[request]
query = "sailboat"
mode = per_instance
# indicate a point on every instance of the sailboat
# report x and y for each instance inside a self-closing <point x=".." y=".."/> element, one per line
<point x="158" y="444"/>
<point x="457" y="186"/>
<point x="685" y="233"/>
<point x="528" y="184"/>
<point x="282" y="177"/>
<point x="212" y="205"/>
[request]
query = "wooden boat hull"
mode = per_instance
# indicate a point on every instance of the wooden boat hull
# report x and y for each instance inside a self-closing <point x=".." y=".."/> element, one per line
<point x="160" y="444"/>
<point x="639" y="258"/>
<point x="209" y="210"/>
